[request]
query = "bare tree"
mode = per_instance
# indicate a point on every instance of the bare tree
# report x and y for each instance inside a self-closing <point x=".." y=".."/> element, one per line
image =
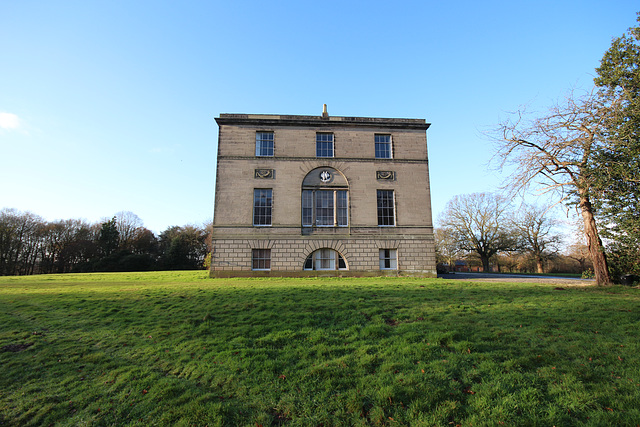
<point x="480" y="224"/>
<point x="579" y="252"/>
<point x="65" y="244"/>
<point x="553" y="153"/>
<point x="513" y="262"/>
<point x="18" y="241"/>
<point x="447" y="250"/>
<point x="54" y="237"/>
<point x="535" y="229"/>
<point x="128" y="225"/>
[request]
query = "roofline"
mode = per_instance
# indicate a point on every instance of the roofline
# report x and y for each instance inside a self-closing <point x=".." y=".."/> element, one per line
<point x="319" y="121"/>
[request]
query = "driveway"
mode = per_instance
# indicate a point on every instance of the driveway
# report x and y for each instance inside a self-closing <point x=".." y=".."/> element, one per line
<point x="515" y="278"/>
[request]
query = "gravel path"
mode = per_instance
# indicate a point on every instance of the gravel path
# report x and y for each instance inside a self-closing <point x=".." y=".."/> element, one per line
<point x="517" y="278"/>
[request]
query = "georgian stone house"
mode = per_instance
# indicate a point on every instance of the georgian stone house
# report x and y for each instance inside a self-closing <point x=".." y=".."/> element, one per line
<point x="321" y="195"/>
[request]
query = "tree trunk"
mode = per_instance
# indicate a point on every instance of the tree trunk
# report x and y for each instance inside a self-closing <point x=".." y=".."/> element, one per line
<point x="539" y="265"/>
<point x="485" y="264"/>
<point x="596" y="250"/>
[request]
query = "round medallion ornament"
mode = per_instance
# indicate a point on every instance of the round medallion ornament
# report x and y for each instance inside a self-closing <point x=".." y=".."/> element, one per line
<point x="325" y="176"/>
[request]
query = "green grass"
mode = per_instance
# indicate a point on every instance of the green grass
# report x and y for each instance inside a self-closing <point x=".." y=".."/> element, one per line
<point x="177" y="348"/>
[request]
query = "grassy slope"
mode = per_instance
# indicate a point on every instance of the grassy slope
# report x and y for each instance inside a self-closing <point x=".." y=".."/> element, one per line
<point x="181" y="349"/>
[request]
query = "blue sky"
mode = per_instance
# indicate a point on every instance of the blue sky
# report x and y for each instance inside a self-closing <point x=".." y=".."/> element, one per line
<point x="109" y="106"/>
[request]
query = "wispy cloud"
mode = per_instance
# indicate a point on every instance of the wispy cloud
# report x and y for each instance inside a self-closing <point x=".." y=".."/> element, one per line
<point x="9" y="121"/>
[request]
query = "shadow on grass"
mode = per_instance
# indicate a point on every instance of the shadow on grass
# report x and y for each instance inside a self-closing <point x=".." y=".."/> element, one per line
<point x="319" y="351"/>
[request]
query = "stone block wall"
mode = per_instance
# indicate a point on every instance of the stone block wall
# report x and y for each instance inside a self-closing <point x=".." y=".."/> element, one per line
<point x="415" y="256"/>
<point x="240" y="171"/>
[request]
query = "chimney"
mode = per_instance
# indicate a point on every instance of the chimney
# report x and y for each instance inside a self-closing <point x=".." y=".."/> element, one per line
<point x="324" y="111"/>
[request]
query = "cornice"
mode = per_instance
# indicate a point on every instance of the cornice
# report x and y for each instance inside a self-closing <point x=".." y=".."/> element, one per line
<point x="264" y="120"/>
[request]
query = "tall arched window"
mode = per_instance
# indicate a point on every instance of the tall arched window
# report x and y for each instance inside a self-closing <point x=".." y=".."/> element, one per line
<point x="325" y="199"/>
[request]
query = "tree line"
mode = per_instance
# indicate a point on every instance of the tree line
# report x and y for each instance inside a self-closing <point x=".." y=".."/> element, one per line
<point x="31" y="245"/>
<point x="585" y="152"/>
<point x="487" y="230"/>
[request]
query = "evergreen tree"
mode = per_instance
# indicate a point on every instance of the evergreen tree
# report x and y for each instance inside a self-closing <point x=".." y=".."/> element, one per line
<point x="616" y="166"/>
<point x="109" y="237"/>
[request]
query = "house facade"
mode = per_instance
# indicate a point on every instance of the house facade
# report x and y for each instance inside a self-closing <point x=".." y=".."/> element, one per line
<point x="322" y="195"/>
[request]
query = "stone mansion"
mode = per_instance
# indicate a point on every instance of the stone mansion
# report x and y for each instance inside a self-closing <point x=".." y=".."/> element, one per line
<point x="322" y="195"/>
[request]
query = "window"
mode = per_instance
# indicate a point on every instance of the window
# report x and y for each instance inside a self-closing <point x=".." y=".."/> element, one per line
<point x="383" y="146"/>
<point x="342" y="208"/>
<point x="388" y="259"/>
<point x="261" y="259"/>
<point x="264" y="143"/>
<point x="325" y="259"/>
<point x="324" y="145"/>
<point x="262" y="205"/>
<point x="307" y="207"/>
<point x="325" y="208"/>
<point x="386" y="208"/>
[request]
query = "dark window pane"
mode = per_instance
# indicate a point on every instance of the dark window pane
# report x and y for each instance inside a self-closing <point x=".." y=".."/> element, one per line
<point x="307" y="207"/>
<point x="383" y="146"/>
<point x="342" y="208"/>
<point x="261" y="259"/>
<point x="342" y="265"/>
<point x="324" y="208"/>
<point x="262" y="206"/>
<point x="308" y="263"/>
<point x="264" y="143"/>
<point x="388" y="259"/>
<point x="386" y="209"/>
<point x="324" y="145"/>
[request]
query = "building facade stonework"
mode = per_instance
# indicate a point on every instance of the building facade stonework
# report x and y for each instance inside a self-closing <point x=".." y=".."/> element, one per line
<point x="321" y="195"/>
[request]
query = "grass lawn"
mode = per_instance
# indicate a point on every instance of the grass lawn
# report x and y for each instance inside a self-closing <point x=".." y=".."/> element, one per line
<point x="178" y="348"/>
